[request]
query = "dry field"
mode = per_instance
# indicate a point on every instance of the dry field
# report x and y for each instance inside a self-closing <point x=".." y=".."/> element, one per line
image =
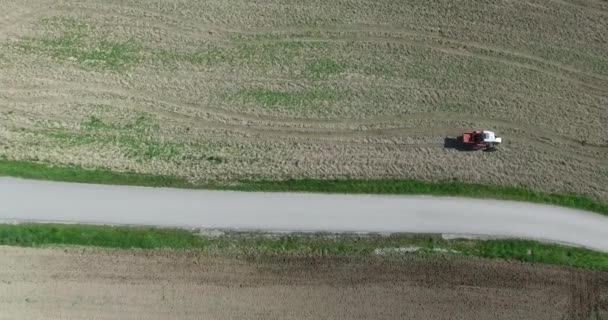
<point x="112" y="284"/>
<point x="223" y="90"/>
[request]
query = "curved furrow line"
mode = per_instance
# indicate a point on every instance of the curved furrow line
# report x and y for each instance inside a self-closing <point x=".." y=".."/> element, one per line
<point x="217" y="111"/>
<point x="268" y="134"/>
<point x="339" y="137"/>
<point x="388" y="133"/>
<point x="421" y="36"/>
<point x="600" y="89"/>
<point x="371" y="137"/>
<point x="507" y="52"/>
<point x="391" y="124"/>
<point x="146" y="96"/>
<point x="230" y="116"/>
<point x="195" y="32"/>
<point x="330" y="128"/>
<point x="600" y="8"/>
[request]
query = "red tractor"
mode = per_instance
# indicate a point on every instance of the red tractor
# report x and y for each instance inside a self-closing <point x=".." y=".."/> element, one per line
<point x="480" y="140"/>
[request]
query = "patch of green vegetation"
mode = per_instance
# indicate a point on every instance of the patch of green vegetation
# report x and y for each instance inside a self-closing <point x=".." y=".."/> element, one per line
<point x="43" y="171"/>
<point x="215" y="159"/>
<point x="99" y="236"/>
<point x="283" y="52"/>
<point x="69" y="138"/>
<point x="75" y="44"/>
<point x="383" y="69"/>
<point x="133" y="138"/>
<point x="271" y="98"/>
<point x="257" y="244"/>
<point x="325" y="67"/>
<point x="138" y="147"/>
<point x="3" y="57"/>
<point x="240" y="51"/>
<point x="142" y="124"/>
<point x="104" y="54"/>
<point x="349" y="245"/>
<point x="150" y="149"/>
<point x="94" y="123"/>
<point x="532" y="251"/>
<point x="63" y="23"/>
<point x="208" y="56"/>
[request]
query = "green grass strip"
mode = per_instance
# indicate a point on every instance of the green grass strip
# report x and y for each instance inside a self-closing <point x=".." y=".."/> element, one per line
<point x="31" y="170"/>
<point x="259" y="244"/>
<point x="40" y="171"/>
<point x="32" y="235"/>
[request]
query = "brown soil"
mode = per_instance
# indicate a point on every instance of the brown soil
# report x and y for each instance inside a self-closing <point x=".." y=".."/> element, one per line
<point x="288" y="89"/>
<point x="112" y="284"/>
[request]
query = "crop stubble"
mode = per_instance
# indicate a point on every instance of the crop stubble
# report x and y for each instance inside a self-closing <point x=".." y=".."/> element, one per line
<point x="230" y="90"/>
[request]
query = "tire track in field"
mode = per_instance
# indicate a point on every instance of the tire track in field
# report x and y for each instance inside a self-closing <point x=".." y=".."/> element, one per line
<point x="274" y="134"/>
<point x="196" y="31"/>
<point x="374" y="30"/>
<point x="257" y="123"/>
<point x="45" y="84"/>
<point x="507" y="52"/>
<point x="169" y="116"/>
<point x="347" y="135"/>
<point x="595" y="7"/>
<point x="597" y="89"/>
<point x="146" y="96"/>
<point x="581" y="78"/>
<point x="327" y="126"/>
<point x="595" y="82"/>
<point x="379" y="137"/>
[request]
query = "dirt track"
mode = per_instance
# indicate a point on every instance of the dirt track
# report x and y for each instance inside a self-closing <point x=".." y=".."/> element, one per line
<point x="102" y="284"/>
<point x="218" y="90"/>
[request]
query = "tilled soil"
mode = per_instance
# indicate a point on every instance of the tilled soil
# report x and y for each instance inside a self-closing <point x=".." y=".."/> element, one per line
<point x="135" y="284"/>
<point x="234" y="90"/>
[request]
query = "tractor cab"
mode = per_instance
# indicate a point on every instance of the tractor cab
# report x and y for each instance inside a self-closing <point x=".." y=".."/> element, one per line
<point x="490" y="137"/>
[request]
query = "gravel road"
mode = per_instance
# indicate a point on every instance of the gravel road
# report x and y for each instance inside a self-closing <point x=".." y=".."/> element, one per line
<point x="27" y="200"/>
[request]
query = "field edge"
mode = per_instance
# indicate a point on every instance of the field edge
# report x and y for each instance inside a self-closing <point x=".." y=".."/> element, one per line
<point x="253" y="245"/>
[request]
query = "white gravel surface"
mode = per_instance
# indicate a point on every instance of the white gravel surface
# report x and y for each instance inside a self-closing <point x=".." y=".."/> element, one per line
<point x="41" y="201"/>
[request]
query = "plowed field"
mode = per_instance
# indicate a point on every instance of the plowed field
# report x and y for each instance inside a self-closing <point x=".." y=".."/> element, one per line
<point x="231" y="90"/>
<point x="110" y="284"/>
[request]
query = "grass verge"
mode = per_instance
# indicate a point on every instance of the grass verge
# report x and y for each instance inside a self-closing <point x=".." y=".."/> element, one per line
<point x="39" y="171"/>
<point x="260" y="244"/>
<point x="32" y="235"/>
<point x="31" y="170"/>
